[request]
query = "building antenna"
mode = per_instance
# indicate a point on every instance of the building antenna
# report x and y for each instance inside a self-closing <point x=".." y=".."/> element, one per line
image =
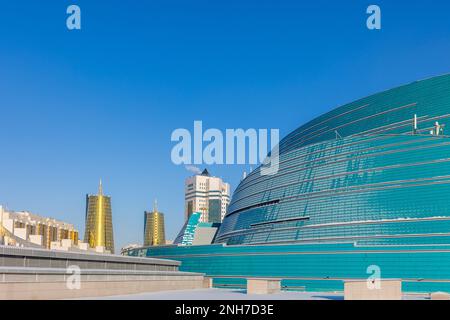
<point x="100" y="188"/>
<point x="415" y="124"/>
<point x="155" y="206"/>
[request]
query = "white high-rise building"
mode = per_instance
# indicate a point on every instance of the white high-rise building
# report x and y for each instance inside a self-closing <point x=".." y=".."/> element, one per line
<point x="208" y="195"/>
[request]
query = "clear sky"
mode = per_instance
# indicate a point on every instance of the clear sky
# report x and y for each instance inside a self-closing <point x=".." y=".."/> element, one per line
<point x="102" y="102"/>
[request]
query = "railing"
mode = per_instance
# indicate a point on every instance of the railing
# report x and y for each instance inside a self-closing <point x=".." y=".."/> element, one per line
<point x="287" y="287"/>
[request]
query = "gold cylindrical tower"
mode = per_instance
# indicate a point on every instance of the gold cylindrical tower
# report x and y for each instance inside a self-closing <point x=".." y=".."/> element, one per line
<point x="99" y="229"/>
<point x="154" y="233"/>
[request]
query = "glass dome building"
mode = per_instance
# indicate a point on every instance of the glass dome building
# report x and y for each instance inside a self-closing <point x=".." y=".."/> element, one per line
<point x="365" y="184"/>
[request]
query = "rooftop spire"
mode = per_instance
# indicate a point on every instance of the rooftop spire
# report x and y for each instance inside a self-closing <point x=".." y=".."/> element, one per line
<point x="100" y="188"/>
<point x="155" y="206"/>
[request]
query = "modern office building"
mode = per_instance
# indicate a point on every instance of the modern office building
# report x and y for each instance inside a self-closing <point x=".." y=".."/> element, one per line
<point x="99" y="227"/>
<point x="25" y="229"/>
<point x="363" y="186"/>
<point x="208" y="195"/>
<point x="154" y="231"/>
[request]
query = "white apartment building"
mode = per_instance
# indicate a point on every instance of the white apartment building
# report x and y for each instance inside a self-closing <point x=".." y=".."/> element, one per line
<point x="208" y="195"/>
<point x="22" y="228"/>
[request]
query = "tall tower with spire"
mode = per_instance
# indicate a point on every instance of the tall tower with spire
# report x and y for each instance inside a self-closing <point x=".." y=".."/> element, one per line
<point x="99" y="227"/>
<point x="154" y="233"/>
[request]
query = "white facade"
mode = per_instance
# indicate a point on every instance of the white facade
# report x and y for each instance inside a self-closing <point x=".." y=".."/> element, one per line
<point x="25" y="229"/>
<point x="208" y="195"/>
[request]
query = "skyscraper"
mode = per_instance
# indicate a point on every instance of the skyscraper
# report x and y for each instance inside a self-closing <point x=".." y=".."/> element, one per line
<point x="99" y="229"/>
<point x="208" y="195"/>
<point x="154" y="233"/>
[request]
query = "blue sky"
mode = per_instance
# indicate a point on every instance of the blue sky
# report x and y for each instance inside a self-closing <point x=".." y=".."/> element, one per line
<point x="103" y="101"/>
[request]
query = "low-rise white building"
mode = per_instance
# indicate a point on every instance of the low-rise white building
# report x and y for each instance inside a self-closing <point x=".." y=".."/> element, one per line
<point x="25" y="229"/>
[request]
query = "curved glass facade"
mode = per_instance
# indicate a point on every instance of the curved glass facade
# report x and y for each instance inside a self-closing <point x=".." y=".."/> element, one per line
<point x="358" y="173"/>
<point x="365" y="184"/>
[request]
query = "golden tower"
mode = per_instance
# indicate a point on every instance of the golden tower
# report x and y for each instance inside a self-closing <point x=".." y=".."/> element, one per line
<point x="99" y="228"/>
<point x="154" y="233"/>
